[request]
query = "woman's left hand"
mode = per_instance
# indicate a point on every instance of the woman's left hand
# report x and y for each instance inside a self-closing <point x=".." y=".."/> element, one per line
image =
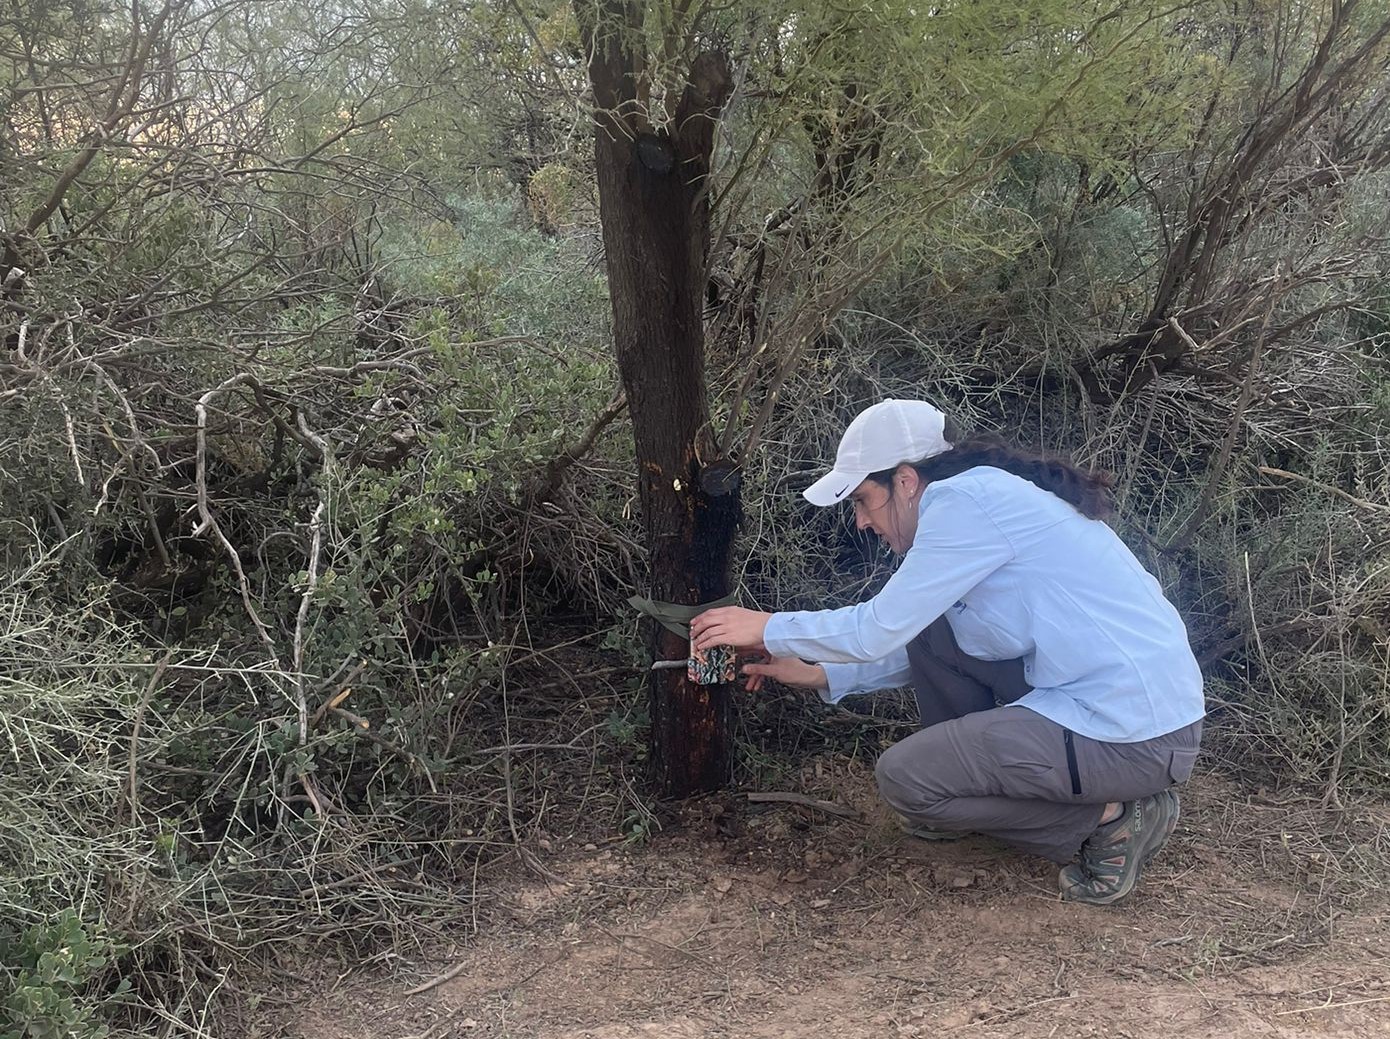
<point x="728" y="626"/>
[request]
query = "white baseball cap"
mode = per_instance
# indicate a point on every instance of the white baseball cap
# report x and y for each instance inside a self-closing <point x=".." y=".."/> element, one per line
<point x="881" y="437"/>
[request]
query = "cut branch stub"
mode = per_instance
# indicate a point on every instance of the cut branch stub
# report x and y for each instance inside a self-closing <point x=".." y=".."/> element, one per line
<point x="655" y="153"/>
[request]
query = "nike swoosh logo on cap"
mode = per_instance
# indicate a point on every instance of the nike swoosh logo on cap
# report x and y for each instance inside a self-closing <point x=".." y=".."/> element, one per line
<point x="842" y="490"/>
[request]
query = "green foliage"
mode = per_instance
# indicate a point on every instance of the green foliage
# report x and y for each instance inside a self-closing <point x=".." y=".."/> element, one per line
<point x="49" y="972"/>
<point x="66" y="702"/>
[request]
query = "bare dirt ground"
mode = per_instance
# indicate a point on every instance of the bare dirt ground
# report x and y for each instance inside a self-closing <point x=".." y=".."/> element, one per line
<point x="1264" y="917"/>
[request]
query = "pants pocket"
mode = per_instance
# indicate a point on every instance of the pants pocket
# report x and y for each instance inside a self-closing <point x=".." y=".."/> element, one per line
<point x="1180" y="764"/>
<point x="1073" y="770"/>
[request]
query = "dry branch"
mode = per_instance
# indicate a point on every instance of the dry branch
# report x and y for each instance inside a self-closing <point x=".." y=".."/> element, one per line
<point x="788" y="797"/>
<point x="1358" y="502"/>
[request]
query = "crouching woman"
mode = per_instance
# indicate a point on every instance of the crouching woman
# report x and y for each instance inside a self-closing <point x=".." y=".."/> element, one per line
<point x="1060" y="700"/>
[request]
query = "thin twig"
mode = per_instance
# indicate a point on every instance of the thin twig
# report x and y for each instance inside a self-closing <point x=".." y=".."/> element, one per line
<point x="555" y="470"/>
<point x="205" y="517"/>
<point x="315" y="547"/>
<point x="363" y="727"/>
<point x="449" y="975"/>
<point x="1223" y="459"/>
<point x="336" y="699"/>
<point x="622" y="936"/>
<point x="1334" y="1006"/>
<point x="514" y="747"/>
<point x="150" y="686"/>
<point x="1286" y="475"/>
<point x="786" y="797"/>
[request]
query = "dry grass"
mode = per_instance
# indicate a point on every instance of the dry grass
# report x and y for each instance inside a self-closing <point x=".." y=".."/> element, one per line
<point x="147" y="793"/>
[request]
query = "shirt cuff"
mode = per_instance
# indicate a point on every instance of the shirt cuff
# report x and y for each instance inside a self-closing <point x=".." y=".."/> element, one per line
<point x="840" y="679"/>
<point x="775" y="634"/>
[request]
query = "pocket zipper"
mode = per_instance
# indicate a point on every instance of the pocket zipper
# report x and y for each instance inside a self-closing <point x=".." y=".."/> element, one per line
<point x="1072" y="769"/>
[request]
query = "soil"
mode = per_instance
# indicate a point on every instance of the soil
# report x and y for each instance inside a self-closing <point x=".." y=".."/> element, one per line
<point x="1263" y="917"/>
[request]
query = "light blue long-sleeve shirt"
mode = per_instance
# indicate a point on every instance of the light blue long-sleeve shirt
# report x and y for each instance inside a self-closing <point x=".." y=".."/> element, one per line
<point x="1018" y="572"/>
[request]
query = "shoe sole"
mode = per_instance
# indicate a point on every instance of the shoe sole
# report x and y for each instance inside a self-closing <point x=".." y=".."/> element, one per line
<point x="935" y="838"/>
<point x="1118" y="896"/>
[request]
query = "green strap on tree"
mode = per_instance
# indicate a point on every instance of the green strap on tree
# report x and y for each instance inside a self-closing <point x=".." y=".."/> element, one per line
<point x="674" y="617"/>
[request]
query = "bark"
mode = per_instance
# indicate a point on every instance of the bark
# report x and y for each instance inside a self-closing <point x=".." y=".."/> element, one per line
<point x="654" y="209"/>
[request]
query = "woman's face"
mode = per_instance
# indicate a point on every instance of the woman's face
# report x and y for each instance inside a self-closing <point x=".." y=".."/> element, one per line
<point x="892" y="516"/>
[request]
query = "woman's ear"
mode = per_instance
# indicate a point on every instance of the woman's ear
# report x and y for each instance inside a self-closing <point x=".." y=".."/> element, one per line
<point x="909" y="483"/>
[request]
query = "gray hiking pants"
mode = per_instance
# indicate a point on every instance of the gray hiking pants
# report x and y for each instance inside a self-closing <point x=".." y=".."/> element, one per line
<point x="1007" y="772"/>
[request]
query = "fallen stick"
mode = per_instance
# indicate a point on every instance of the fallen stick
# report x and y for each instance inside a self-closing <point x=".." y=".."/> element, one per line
<point x="449" y="975"/>
<point x="784" y="797"/>
<point x="1333" y="1006"/>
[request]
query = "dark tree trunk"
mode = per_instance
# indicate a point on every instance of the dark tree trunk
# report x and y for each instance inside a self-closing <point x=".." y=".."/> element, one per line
<point x="654" y="209"/>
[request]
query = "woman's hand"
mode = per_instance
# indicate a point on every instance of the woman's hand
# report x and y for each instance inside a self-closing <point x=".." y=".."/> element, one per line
<point x="728" y="626"/>
<point x="788" y="671"/>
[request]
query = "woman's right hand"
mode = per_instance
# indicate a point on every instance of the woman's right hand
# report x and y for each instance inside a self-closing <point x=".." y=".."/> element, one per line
<point x="788" y="671"/>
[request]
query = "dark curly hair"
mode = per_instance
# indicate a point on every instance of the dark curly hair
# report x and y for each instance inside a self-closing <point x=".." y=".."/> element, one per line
<point x="1087" y="490"/>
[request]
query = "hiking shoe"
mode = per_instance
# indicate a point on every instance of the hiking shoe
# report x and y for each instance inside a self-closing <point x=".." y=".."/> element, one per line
<point x="1176" y="806"/>
<point x="1114" y="856"/>
<point x="926" y="833"/>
